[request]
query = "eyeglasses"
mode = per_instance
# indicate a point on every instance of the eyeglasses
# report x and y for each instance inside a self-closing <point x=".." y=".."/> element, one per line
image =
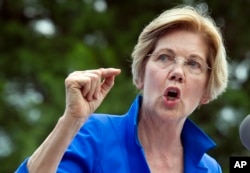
<point x="193" y="65"/>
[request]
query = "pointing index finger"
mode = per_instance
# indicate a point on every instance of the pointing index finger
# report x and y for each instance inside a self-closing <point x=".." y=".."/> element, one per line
<point x="108" y="76"/>
<point x="108" y="72"/>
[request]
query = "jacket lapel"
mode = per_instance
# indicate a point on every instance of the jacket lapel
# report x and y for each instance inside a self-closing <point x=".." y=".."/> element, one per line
<point x="192" y="168"/>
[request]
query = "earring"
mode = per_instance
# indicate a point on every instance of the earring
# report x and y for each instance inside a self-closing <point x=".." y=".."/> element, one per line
<point x="204" y="100"/>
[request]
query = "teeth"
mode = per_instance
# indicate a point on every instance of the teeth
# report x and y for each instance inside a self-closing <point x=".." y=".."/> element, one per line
<point x="172" y="90"/>
<point x="171" y="98"/>
<point x="172" y="94"/>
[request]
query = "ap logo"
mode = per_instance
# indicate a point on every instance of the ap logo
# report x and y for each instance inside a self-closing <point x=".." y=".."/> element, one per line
<point x="239" y="164"/>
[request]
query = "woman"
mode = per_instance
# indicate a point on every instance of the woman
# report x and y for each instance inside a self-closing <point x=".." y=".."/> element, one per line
<point x="179" y="63"/>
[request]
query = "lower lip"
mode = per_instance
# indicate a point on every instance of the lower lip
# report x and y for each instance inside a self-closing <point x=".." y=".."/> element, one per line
<point x="170" y="103"/>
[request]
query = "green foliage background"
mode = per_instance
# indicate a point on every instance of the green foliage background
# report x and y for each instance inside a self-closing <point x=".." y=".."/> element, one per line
<point x="97" y="33"/>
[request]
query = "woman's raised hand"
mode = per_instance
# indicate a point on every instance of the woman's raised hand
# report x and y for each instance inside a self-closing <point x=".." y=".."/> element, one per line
<point x="85" y="90"/>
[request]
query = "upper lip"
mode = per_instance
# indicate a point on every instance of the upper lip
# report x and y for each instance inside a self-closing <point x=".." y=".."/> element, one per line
<point x="174" y="90"/>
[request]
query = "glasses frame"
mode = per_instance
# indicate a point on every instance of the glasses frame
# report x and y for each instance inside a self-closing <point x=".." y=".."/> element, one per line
<point x="204" y="65"/>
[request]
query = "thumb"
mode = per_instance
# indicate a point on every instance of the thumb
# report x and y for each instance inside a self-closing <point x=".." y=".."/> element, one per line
<point x="108" y="76"/>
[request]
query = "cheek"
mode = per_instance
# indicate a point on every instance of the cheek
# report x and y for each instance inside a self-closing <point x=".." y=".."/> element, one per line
<point x="152" y="78"/>
<point x="196" y="89"/>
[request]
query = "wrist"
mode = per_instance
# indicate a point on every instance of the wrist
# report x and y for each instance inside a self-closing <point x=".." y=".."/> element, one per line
<point x="73" y="124"/>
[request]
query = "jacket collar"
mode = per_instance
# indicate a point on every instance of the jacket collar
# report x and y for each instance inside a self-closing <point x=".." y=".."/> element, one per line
<point x="195" y="142"/>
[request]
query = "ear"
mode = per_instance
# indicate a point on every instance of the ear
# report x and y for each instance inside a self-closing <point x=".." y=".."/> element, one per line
<point x="139" y="84"/>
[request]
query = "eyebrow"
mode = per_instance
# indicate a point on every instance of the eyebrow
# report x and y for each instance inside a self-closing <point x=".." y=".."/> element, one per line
<point x="165" y="50"/>
<point x="194" y="56"/>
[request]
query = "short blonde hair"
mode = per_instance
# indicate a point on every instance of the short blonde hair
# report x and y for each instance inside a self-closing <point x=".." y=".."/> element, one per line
<point x="187" y="18"/>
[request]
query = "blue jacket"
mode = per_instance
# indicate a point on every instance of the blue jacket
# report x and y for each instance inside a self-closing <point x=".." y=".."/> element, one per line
<point x="109" y="144"/>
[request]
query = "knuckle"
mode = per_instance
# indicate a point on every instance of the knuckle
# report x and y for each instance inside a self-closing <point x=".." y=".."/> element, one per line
<point x="68" y="80"/>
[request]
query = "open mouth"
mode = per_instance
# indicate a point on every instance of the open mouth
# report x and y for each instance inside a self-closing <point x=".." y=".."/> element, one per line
<point x="172" y="93"/>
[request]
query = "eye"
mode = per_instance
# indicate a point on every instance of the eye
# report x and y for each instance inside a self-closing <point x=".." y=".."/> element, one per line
<point x="194" y="64"/>
<point x="165" y="57"/>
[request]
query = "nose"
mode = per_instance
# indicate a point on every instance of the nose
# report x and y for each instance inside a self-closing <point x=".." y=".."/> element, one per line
<point x="177" y="77"/>
<point x="177" y="74"/>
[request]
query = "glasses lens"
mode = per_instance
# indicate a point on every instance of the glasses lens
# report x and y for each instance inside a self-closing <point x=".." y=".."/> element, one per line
<point x="193" y="65"/>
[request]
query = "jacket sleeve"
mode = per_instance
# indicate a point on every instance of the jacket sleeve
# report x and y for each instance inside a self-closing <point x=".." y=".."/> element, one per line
<point x="84" y="152"/>
<point x="23" y="168"/>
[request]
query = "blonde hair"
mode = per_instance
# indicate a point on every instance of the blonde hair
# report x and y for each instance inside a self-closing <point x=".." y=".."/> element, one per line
<point x="187" y="18"/>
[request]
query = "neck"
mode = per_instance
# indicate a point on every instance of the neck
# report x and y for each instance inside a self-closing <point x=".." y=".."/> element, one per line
<point x="161" y="142"/>
<point x="155" y="134"/>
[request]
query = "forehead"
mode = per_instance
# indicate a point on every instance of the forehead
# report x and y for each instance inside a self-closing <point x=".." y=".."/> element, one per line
<point x="183" y="43"/>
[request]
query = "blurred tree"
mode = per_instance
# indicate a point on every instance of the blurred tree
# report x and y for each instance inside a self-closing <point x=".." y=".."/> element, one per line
<point x="41" y="41"/>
